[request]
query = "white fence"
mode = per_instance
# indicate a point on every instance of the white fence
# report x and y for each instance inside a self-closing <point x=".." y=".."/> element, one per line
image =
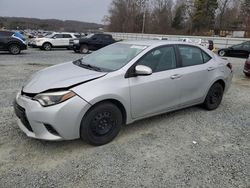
<point x="219" y="42"/>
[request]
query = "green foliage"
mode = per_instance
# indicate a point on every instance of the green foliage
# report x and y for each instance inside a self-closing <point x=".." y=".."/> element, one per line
<point x="204" y="14"/>
<point x="179" y="17"/>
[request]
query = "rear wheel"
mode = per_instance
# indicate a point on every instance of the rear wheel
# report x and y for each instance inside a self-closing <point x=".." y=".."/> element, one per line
<point x="214" y="97"/>
<point x="14" y="49"/>
<point x="47" y="46"/>
<point x="101" y="124"/>
<point x="84" y="49"/>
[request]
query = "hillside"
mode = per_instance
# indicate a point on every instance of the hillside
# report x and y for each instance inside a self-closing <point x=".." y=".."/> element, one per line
<point x="47" y="24"/>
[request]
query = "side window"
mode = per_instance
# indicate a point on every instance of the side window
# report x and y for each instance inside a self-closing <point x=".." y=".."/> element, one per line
<point x="77" y="36"/>
<point x="206" y="57"/>
<point x="238" y="47"/>
<point x="160" y="59"/>
<point x="190" y="56"/>
<point x="95" y="37"/>
<point x="67" y="36"/>
<point x="246" y="46"/>
<point x="58" y="36"/>
<point x="107" y="37"/>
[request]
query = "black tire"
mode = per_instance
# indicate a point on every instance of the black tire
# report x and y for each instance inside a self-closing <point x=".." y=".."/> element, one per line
<point x="14" y="49"/>
<point x="214" y="97"/>
<point x="101" y="124"/>
<point x="247" y="75"/>
<point x="84" y="49"/>
<point x="76" y="51"/>
<point x="47" y="46"/>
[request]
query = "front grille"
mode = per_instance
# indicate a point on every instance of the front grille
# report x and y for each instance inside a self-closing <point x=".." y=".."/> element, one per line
<point x="20" y="113"/>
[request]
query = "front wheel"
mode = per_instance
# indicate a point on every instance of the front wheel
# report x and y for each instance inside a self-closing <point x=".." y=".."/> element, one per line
<point x="101" y="124"/>
<point x="47" y="46"/>
<point x="222" y="53"/>
<point x="84" y="49"/>
<point x="14" y="49"/>
<point x="214" y="97"/>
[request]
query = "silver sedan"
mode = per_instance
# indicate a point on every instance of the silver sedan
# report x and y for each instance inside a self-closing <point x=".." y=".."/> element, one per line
<point x="92" y="98"/>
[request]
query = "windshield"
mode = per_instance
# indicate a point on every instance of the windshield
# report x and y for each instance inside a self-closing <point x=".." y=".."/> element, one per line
<point x="88" y="36"/>
<point x="112" y="57"/>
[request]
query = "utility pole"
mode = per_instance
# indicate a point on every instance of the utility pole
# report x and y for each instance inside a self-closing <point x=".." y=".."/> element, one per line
<point x="142" y="4"/>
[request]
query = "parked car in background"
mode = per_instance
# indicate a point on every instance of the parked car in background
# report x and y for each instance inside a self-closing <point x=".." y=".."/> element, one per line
<point x="76" y="40"/>
<point x="54" y="40"/>
<point x="160" y="38"/>
<point x="19" y="35"/>
<point x="240" y="50"/>
<point x="92" y="42"/>
<point x="185" y="40"/>
<point x="12" y="43"/>
<point x="91" y="98"/>
<point x="206" y="43"/>
<point x="247" y="67"/>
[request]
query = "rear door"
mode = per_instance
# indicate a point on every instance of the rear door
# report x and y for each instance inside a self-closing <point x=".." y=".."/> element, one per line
<point x="100" y="41"/>
<point x="107" y="40"/>
<point x="158" y="92"/>
<point x="66" y="39"/>
<point x="197" y="73"/>
<point x="4" y="37"/>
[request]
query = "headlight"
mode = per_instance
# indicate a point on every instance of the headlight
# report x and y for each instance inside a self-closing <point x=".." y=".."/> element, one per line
<point x="38" y="41"/>
<point x="76" y="41"/>
<point x="48" y="99"/>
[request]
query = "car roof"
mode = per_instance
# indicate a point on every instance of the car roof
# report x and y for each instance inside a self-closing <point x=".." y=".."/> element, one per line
<point x="63" y="33"/>
<point x="7" y="32"/>
<point x="156" y="42"/>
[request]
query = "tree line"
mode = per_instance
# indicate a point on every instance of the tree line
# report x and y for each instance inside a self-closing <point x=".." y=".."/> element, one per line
<point x="178" y="16"/>
<point x="18" y="23"/>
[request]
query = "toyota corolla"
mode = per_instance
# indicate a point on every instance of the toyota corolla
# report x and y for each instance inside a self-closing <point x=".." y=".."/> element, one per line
<point x="91" y="98"/>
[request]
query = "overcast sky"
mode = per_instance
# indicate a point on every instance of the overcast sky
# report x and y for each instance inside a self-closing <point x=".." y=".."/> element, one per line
<point x="82" y="10"/>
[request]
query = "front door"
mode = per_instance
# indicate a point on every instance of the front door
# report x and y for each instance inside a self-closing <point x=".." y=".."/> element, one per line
<point x="158" y="92"/>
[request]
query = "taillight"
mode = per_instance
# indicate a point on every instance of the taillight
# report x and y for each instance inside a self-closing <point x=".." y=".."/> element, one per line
<point x="229" y="65"/>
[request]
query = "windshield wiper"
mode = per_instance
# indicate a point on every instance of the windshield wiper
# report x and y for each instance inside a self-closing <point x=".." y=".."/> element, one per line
<point x="91" y="67"/>
<point x="80" y="63"/>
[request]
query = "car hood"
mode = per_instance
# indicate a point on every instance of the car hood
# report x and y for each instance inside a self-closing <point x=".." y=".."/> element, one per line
<point x="58" y="77"/>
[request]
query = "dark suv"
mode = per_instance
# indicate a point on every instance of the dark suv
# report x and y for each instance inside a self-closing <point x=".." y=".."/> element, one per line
<point x="92" y="42"/>
<point x="12" y="43"/>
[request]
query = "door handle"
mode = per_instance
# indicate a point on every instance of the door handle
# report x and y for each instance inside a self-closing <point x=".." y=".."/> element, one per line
<point x="210" y="68"/>
<point x="176" y="76"/>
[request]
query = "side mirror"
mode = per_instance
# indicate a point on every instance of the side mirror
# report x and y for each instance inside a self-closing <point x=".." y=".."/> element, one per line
<point x="142" y="70"/>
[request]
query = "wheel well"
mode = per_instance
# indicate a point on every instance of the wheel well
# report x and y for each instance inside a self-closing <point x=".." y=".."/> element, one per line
<point x="48" y="43"/>
<point x="11" y="43"/>
<point x="119" y="105"/>
<point x="222" y="83"/>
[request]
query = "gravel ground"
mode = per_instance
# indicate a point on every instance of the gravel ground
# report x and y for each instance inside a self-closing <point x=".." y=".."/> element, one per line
<point x="186" y="148"/>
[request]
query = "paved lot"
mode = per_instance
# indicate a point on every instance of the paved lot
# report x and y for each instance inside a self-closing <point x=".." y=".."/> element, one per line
<point x="156" y="152"/>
